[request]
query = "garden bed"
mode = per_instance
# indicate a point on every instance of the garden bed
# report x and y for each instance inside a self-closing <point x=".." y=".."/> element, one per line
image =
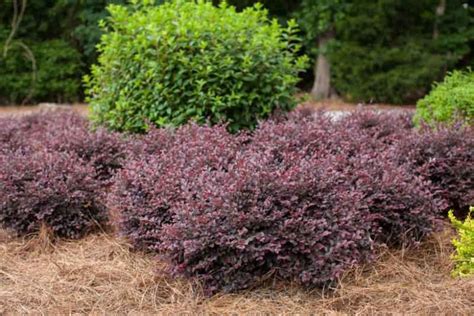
<point x="303" y="207"/>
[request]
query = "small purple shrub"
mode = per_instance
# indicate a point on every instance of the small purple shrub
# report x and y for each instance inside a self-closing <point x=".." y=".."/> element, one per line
<point x="65" y="131"/>
<point x="152" y="181"/>
<point x="444" y="157"/>
<point x="43" y="187"/>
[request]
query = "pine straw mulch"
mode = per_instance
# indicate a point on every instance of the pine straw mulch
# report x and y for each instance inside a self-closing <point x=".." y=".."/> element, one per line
<point x="99" y="275"/>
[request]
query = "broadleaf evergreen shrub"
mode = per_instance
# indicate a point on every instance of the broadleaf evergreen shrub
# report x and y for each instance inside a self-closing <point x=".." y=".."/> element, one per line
<point x="232" y="210"/>
<point x="450" y="100"/>
<point x="187" y="60"/>
<point x="40" y="187"/>
<point x="464" y="256"/>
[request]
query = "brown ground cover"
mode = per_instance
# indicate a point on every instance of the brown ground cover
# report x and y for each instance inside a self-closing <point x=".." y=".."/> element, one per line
<point x="100" y="275"/>
<point x="329" y="105"/>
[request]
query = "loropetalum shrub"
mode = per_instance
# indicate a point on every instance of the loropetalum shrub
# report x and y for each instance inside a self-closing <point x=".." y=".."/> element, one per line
<point x="301" y="198"/>
<point x="54" y="171"/>
<point x="443" y="156"/>
<point x="152" y="182"/>
<point x="233" y="229"/>
<point x="66" y="131"/>
<point x="41" y="187"/>
<point x="190" y="60"/>
<point x="402" y="207"/>
<point x="450" y="101"/>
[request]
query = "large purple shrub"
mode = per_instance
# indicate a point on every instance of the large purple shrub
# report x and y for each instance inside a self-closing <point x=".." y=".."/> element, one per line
<point x="234" y="228"/>
<point x="40" y="187"/>
<point x="302" y="198"/>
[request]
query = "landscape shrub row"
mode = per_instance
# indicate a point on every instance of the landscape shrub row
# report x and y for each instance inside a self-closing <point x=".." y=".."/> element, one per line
<point x="304" y="197"/>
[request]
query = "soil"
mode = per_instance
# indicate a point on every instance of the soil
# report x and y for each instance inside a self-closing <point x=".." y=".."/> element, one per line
<point x="329" y="105"/>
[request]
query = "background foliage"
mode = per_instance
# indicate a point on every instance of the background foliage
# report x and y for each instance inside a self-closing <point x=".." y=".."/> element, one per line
<point x="383" y="50"/>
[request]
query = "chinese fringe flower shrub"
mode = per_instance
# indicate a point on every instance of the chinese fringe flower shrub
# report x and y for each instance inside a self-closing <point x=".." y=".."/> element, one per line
<point x="444" y="157"/>
<point x="54" y="172"/>
<point x="66" y="131"/>
<point x="303" y="198"/>
<point x="41" y="187"/>
<point x="150" y="184"/>
<point x="190" y="60"/>
<point x="464" y="256"/>
<point x="234" y="228"/>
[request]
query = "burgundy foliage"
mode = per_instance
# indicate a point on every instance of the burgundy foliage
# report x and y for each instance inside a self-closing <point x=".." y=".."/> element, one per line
<point x="302" y="198"/>
<point x="444" y="157"/>
<point x="152" y="183"/>
<point x="41" y="187"/>
<point x="234" y="228"/>
<point x="66" y="131"/>
<point x="54" y="171"/>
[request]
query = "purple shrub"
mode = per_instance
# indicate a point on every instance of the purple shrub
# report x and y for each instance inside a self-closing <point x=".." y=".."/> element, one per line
<point x="445" y="158"/>
<point x="234" y="228"/>
<point x="403" y="208"/>
<point x="40" y="187"/>
<point x="151" y="182"/>
<point x="302" y="198"/>
<point x="65" y="131"/>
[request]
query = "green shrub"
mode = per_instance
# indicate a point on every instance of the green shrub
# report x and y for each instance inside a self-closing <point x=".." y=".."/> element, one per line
<point x="464" y="256"/>
<point x="187" y="60"/>
<point x="450" y="100"/>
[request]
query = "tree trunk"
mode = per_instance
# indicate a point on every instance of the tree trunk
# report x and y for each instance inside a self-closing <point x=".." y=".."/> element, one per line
<point x="322" y="70"/>
<point x="440" y="10"/>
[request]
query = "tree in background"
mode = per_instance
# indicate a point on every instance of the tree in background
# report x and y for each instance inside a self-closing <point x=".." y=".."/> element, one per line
<point x="392" y="50"/>
<point x="318" y="19"/>
<point x="46" y="47"/>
